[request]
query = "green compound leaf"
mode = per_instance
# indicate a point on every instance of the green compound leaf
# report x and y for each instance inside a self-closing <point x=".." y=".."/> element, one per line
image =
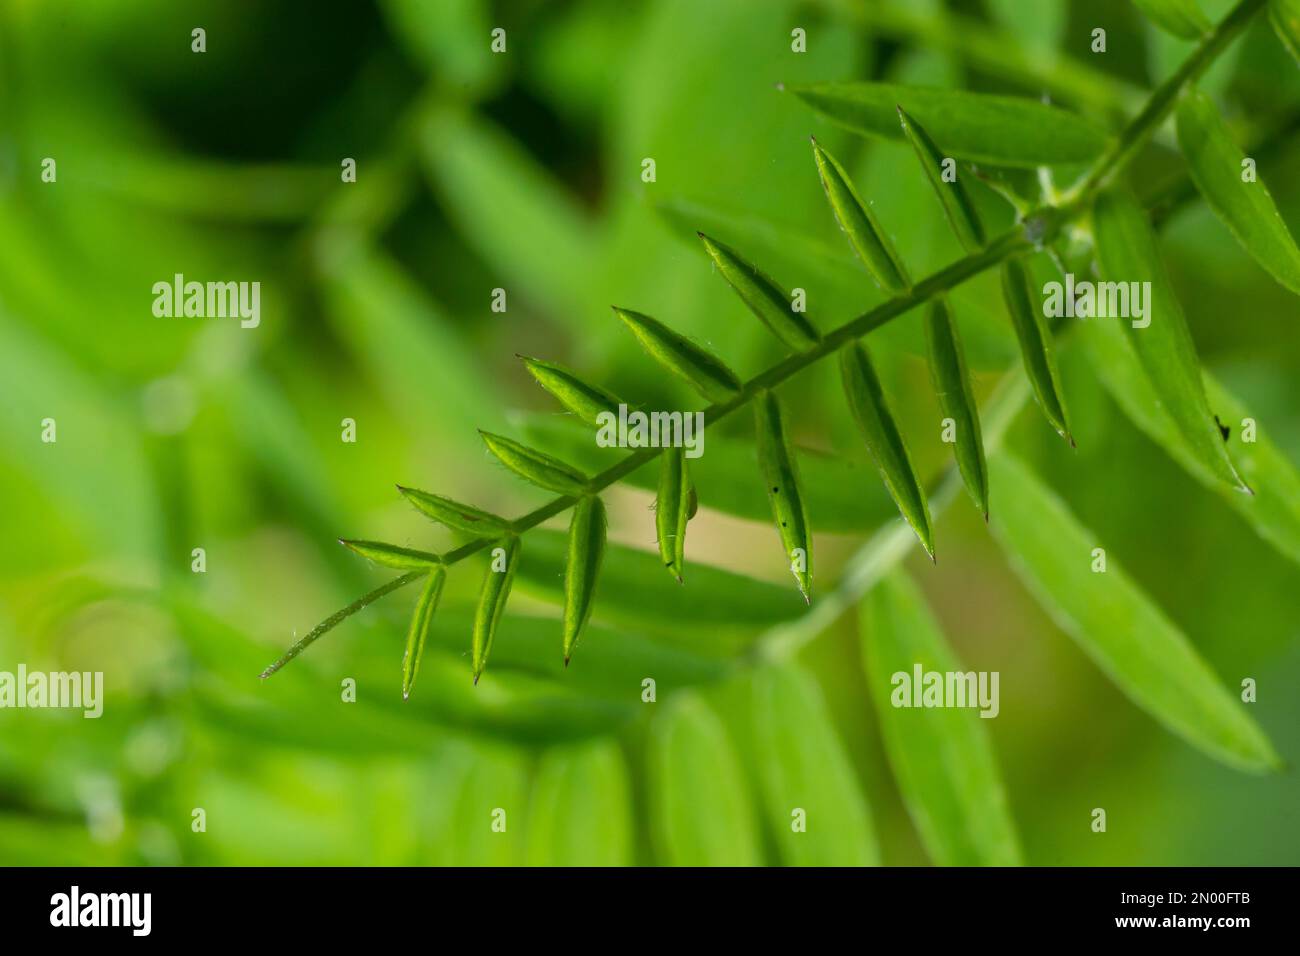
<point x="500" y="575"/>
<point x="957" y="203"/>
<point x="884" y="441"/>
<point x="1000" y="130"/>
<point x="586" y="401"/>
<point x="1117" y="625"/>
<point x="673" y="509"/>
<point x="682" y="357"/>
<point x="1246" y="208"/>
<point x="957" y="400"/>
<point x="762" y="295"/>
<point x="586" y="551"/>
<point x="805" y="766"/>
<point x="535" y="466"/>
<point x="1182" y="18"/>
<point x="777" y="462"/>
<point x="391" y="555"/>
<point x="941" y="757"/>
<point x="1035" y="345"/>
<point x="700" y="808"/>
<point x="869" y="241"/>
<point x="1285" y="17"/>
<point x="420" y="621"/>
<point x="454" y="515"/>
<point x="1127" y="252"/>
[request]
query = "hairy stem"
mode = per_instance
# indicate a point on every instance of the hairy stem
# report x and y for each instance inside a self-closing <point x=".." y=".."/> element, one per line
<point x="1037" y="229"/>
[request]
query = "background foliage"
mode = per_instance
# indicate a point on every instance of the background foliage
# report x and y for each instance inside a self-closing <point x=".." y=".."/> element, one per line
<point x="523" y="171"/>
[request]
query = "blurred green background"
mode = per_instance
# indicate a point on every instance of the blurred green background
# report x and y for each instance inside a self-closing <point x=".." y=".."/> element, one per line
<point x="522" y="171"/>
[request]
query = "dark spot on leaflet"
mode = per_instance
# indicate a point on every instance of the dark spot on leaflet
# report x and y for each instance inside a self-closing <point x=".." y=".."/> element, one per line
<point x="775" y="490"/>
<point x="1224" y="430"/>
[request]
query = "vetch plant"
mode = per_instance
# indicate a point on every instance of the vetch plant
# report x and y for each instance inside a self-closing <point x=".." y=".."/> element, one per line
<point x="1094" y="225"/>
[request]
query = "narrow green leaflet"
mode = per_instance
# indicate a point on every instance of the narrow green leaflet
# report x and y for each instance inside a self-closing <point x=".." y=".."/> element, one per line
<point x="1217" y="166"/>
<point x="1000" y="130"/>
<point x="952" y="193"/>
<point x="1035" y="340"/>
<point x="807" y="776"/>
<point x="777" y="463"/>
<point x="682" y="357"/>
<point x="420" y="620"/>
<point x="1274" y="510"/>
<point x="535" y="466"/>
<point x="941" y="756"/>
<point x="957" y="400"/>
<point x="1285" y="17"/>
<point x="500" y="575"/>
<point x="1127" y="252"/>
<point x="586" y="550"/>
<point x="700" y="809"/>
<point x="884" y="441"/>
<point x="762" y="295"/>
<point x="454" y="515"/>
<point x="391" y="555"/>
<point x="1182" y="18"/>
<point x="579" y="809"/>
<point x="673" y="509"/>
<point x="1114" y="622"/>
<point x="869" y="241"/>
<point x="583" y="399"/>
<point x="635" y="592"/>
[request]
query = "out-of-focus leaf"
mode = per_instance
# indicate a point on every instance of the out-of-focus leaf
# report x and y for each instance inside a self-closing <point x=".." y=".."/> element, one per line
<point x="1002" y="130"/>
<point x="805" y="768"/>
<point x="1182" y="18"/>
<point x="1116" y="624"/>
<point x="1274" y="510"/>
<point x="518" y="218"/>
<point x="446" y="36"/>
<point x="1127" y="251"/>
<point x="699" y="803"/>
<point x="1285" y="17"/>
<point x="579" y="809"/>
<point x="1246" y="208"/>
<point x="492" y="813"/>
<point x="941" y="757"/>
